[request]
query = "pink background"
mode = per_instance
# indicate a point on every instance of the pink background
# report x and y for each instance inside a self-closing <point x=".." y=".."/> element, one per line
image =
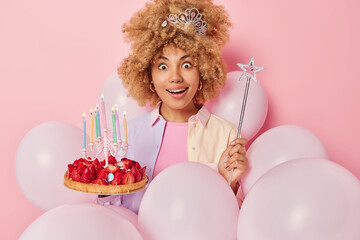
<point x="55" y="56"/>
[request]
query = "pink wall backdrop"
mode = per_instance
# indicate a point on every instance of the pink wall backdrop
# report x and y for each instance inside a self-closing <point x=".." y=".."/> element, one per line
<point x="55" y="56"/>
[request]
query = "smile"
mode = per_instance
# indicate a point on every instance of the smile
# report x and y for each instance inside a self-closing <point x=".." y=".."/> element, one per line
<point x="177" y="91"/>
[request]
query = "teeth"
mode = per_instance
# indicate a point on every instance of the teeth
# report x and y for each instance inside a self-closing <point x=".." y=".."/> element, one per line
<point x="177" y="90"/>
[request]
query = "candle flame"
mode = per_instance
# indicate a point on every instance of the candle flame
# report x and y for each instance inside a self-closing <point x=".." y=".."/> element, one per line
<point x="102" y="96"/>
<point x="97" y="106"/>
<point x="91" y="112"/>
<point x="83" y="115"/>
<point x="113" y="109"/>
<point x="124" y="113"/>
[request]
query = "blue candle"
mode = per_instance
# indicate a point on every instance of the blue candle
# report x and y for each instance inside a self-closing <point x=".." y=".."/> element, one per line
<point x="96" y="125"/>
<point x="114" y="125"/>
<point x="84" y="131"/>
<point x="98" y="119"/>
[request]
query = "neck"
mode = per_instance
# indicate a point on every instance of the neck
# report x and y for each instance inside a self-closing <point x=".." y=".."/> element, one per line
<point x="178" y="115"/>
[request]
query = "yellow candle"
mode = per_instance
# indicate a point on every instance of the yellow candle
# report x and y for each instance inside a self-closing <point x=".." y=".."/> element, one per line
<point x="125" y="129"/>
<point x="92" y="127"/>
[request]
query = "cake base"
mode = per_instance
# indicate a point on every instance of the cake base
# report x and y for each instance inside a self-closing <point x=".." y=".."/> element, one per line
<point x="105" y="189"/>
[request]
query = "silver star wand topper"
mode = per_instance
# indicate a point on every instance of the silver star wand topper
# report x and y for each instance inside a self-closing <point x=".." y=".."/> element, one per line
<point x="248" y="75"/>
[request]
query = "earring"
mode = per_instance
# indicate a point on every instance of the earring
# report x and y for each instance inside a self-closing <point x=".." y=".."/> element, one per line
<point x="151" y="86"/>
<point x="200" y="86"/>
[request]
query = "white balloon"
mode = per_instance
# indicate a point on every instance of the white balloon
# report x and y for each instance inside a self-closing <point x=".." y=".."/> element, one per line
<point x="41" y="162"/>
<point x="312" y="199"/>
<point x="278" y="145"/>
<point x="229" y="102"/>
<point x="126" y="213"/>
<point x="188" y="200"/>
<point x="115" y="93"/>
<point x="81" y="221"/>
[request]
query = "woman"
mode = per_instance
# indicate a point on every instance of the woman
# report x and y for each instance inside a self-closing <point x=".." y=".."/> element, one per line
<point x="176" y="66"/>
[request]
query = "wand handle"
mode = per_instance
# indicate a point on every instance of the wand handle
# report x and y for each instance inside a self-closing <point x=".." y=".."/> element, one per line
<point x="241" y="117"/>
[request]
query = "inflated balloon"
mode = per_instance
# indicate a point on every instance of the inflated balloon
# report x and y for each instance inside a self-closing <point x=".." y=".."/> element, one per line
<point x="41" y="162"/>
<point x="81" y="221"/>
<point x="188" y="201"/>
<point x="125" y="213"/>
<point x="228" y="104"/>
<point x="308" y="199"/>
<point x="278" y="145"/>
<point x="115" y="93"/>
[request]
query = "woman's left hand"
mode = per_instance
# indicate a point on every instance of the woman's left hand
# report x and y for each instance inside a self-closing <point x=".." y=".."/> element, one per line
<point x="234" y="157"/>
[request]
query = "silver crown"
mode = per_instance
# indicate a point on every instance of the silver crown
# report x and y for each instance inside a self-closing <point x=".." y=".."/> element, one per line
<point x="183" y="19"/>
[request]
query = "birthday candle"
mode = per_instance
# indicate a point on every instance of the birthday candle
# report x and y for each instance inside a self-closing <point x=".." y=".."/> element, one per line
<point x="114" y="125"/>
<point x="98" y="119"/>
<point x="117" y="122"/>
<point x="91" y="126"/>
<point x="125" y="128"/>
<point x="103" y="113"/>
<point x="84" y="131"/>
<point x="96" y="124"/>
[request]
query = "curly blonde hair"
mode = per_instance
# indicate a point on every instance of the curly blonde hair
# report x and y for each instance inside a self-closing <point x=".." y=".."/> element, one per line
<point x="148" y="38"/>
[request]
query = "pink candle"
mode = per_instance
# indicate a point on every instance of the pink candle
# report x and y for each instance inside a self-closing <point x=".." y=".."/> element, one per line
<point x="125" y="128"/>
<point x="117" y="122"/>
<point x="103" y="111"/>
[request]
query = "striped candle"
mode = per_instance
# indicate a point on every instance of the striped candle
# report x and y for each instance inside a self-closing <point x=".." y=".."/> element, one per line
<point x="98" y="120"/>
<point x="117" y="122"/>
<point x="114" y="125"/>
<point x="96" y="124"/>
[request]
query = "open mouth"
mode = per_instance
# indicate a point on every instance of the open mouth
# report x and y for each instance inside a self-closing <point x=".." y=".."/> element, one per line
<point x="177" y="91"/>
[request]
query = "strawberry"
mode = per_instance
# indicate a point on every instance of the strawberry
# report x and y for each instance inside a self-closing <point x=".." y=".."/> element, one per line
<point x="93" y="171"/>
<point x="81" y="167"/>
<point x="136" y="174"/>
<point x="70" y="169"/>
<point x="75" y="175"/>
<point x="117" y="179"/>
<point x="142" y="171"/>
<point x="100" y="181"/>
<point x="103" y="174"/>
<point x="126" y="163"/>
<point x="112" y="160"/>
<point x="99" y="168"/>
<point x="85" y="177"/>
<point x="128" y="178"/>
<point x="102" y="163"/>
<point x="76" y="162"/>
<point x="112" y="169"/>
<point x="96" y="162"/>
<point x="137" y="165"/>
<point x="87" y="162"/>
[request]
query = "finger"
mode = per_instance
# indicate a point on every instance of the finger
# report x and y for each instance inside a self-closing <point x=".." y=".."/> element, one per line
<point x="241" y="141"/>
<point x="238" y="164"/>
<point x="237" y="149"/>
<point x="227" y="151"/>
<point x="237" y="157"/>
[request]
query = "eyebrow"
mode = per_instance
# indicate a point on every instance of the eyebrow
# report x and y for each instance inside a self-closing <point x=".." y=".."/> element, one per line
<point x="182" y="58"/>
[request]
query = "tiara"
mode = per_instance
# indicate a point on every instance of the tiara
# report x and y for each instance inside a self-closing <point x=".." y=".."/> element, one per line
<point x="183" y="19"/>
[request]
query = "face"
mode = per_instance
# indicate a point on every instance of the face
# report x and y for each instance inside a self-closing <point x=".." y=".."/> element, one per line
<point x="176" y="79"/>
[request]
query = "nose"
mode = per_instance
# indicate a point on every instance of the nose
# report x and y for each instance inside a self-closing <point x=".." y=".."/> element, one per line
<point x="175" y="76"/>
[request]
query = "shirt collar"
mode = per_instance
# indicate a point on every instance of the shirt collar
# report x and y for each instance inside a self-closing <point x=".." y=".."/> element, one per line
<point x="202" y="115"/>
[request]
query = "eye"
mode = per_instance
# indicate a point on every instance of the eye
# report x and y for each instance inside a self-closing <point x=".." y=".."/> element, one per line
<point x="187" y="65"/>
<point x="163" y="66"/>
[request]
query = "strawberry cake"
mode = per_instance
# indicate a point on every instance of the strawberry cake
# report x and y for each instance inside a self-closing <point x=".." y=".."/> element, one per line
<point x="119" y="177"/>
